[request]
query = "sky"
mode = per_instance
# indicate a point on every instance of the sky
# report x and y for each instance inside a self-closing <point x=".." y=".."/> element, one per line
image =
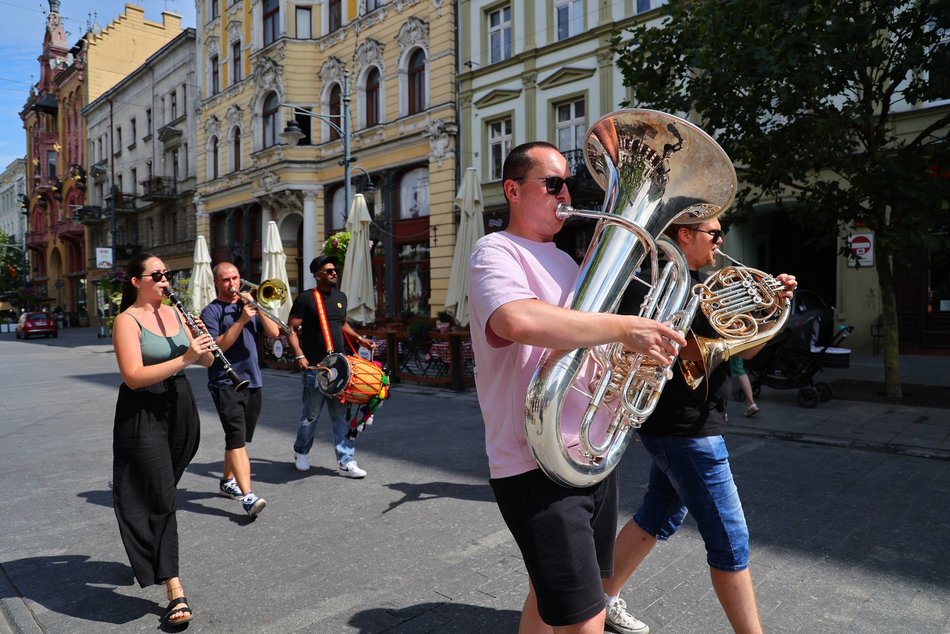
<point x="22" y="28"/>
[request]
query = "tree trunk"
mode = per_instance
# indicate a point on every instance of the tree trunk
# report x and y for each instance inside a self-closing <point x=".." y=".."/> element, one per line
<point x="891" y="347"/>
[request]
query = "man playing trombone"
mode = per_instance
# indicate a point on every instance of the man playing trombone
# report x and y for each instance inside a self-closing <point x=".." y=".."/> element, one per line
<point x="234" y="324"/>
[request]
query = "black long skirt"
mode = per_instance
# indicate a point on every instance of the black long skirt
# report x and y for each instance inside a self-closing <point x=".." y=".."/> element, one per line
<point x="155" y="436"/>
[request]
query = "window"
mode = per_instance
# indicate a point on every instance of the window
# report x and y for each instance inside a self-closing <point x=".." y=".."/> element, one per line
<point x="416" y="82"/>
<point x="118" y="140"/>
<point x="372" y="98"/>
<point x="50" y="164"/>
<point x="571" y="125"/>
<point x="236" y="150"/>
<point x="213" y="159"/>
<point x="414" y="194"/>
<point x="174" y="103"/>
<point x="499" y="144"/>
<point x="334" y="15"/>
<point x="176" y="168"/>
<point x="215" y="75"/>
<point x="570" y="18"/>
<point x="269" y="116"/>
<point x="499" y="34"/>
<point x="235" y="62"/>
<point x="271" y="15"/>
<point x="148" y="121"/>
<point x="304" y="23"/>
<point x="214" y="9"/>
<point x="333" y="108"/>
<point x="135" y="181"/>
<point x="134" y="129"/>
<point x="646" y="5"/>
<point x="372" y="5"/>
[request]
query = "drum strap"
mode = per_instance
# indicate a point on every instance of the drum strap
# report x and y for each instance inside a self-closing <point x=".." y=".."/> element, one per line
<point x="324" y="324"/>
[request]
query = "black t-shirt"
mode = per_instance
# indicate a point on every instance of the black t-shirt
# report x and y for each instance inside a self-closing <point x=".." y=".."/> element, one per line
<point x="312" y="343"/>
<point x="682" y="411"/>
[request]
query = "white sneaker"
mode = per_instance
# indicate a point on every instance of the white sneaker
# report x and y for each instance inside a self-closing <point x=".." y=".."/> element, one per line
<point x="301" y="461"/>
<point x="352" y="470"/>
<point x="619" y="620"/>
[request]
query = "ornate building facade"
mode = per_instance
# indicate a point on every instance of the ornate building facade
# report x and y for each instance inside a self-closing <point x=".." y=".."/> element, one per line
<point x="141" y="180"/>
<point x="70" y="77"/>
<point x="380" y="79"/>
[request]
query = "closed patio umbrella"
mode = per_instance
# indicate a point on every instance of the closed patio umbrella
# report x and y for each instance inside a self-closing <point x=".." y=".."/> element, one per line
<point x="202" y="279"/>
<point x="274" y="266"/>
<point x="357" y="282"/>
<point x="471" y="228"/>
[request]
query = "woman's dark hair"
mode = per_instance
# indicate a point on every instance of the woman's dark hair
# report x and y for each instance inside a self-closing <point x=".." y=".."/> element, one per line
<point x="135" y="268"/>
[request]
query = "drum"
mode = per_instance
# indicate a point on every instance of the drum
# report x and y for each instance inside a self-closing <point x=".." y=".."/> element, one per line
<point x="350" y="379"/>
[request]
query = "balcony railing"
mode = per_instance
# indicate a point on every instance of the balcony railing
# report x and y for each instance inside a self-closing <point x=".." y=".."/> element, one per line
<point x="159" y="188"/>
<point x="123" y="201"/>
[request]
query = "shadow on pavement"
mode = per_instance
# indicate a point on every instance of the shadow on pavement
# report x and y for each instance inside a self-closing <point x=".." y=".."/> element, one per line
<point x="77" y="592"/>
<point x="435" y="617"/>
<point x="432" y="490"/>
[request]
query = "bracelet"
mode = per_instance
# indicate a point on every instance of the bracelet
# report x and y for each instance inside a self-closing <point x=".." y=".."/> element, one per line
<point x="299" y="357"/>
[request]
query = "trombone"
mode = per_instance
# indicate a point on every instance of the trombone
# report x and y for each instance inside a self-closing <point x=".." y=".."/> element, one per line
<point x="272" y="294"/>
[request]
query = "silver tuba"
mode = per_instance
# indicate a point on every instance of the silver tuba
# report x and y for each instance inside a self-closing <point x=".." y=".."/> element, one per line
<point x="652" y="167"/>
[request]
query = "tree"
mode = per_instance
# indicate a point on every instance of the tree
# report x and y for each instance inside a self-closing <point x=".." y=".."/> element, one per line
<point x="11" y="266"/>
<point x="803" y="96"/>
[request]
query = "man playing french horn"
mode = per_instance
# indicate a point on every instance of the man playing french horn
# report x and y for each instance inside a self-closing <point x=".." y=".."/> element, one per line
<point x="690" y="470"/>
<point x="519" y="285"/>
<point x="234" y="324"/>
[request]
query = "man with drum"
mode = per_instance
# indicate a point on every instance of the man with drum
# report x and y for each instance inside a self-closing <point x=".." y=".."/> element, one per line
<point x="322" y="313"/>
<point x="234" y="325"/>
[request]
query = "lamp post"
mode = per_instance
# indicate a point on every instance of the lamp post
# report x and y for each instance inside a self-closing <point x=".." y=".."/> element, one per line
<point x="292" y="134"/>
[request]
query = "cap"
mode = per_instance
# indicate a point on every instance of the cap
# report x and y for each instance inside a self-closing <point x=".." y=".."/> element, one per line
<point x="318" y="262"/>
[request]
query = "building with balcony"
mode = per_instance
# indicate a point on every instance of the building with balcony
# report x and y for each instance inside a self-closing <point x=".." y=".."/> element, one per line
<point x="141" y="180"/>
<point x="70" y="78"/>
<point x="369" y="86"/>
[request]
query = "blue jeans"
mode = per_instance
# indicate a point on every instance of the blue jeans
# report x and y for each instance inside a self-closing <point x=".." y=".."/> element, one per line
<point x="692" y="475"/>
<point x="313" y="402"/>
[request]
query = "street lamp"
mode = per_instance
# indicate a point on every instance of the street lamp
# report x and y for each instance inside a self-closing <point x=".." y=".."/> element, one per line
<point x="292" y="134"/>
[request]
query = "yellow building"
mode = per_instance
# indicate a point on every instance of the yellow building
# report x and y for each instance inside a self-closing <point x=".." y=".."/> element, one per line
<point x="380" y="76"/>
<point x="71" y="77"/>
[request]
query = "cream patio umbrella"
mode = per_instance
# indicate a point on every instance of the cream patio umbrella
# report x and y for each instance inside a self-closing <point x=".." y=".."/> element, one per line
<point x="471" y="228"/>
<point x="202" y="279"/>
<point x="274" y="266"/>
<point x="357" y="282"/>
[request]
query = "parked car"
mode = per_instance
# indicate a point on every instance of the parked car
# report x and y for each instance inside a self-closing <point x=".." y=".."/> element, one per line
<point x="31" y="324"/>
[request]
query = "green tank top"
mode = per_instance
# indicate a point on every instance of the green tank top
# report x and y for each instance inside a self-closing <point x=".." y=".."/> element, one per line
<point x="156" y="348"/>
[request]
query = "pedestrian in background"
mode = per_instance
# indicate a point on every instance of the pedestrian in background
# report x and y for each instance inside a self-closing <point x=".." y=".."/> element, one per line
<point x="737" y="370"/>
<point x="156" y="428"/>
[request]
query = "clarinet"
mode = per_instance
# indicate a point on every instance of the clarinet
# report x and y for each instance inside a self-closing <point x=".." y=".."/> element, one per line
<point x="239" y="383"/>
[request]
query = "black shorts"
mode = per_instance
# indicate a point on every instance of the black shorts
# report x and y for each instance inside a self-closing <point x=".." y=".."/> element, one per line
<point x="566" y="537"/>
<point x="238" y="412"/>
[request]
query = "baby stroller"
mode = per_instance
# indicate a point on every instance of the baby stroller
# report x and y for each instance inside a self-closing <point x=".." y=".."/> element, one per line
<point x="792" y="359"/>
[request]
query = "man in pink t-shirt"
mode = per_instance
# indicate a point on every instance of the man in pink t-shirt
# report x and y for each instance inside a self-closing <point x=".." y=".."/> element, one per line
<point x="520" y="285"/>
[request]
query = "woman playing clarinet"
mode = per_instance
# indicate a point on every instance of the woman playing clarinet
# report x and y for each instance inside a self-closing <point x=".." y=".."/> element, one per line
<point x="156" y="427"/>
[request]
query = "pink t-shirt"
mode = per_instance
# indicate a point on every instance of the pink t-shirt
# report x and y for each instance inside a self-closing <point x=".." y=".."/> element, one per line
<point x="505" y="268"/>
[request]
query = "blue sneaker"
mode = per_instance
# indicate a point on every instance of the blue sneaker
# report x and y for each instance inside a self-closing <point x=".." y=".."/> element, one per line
<point x="230" y="489"/>
<point x="253" y="504"/>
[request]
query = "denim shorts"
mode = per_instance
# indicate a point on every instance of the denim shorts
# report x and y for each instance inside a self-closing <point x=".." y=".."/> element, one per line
<point x="692" y="474"/>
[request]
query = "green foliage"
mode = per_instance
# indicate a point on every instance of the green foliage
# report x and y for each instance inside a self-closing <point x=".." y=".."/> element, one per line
<point x="11" y="266"/>
<point x="336" y="245"/>
<point x="801" y="96"/>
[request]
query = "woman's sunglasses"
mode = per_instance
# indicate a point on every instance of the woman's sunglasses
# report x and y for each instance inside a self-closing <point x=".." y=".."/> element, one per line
<point x="158" y="275"/>
<point x="552" y="184"/>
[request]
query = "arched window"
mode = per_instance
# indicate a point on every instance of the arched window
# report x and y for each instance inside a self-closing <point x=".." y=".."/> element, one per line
<point x="269" y="116"/>
<point x="372" y="98"/>
<point x="333" y="107"/>
<point x="236" y="149"/>
<point x="416" y="82"/>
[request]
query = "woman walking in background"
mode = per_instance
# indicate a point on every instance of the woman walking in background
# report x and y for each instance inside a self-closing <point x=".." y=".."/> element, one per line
<point x="156" y="428"/>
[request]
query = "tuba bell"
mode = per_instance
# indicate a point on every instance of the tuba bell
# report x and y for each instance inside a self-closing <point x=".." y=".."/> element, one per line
<point x="652" y="167"/>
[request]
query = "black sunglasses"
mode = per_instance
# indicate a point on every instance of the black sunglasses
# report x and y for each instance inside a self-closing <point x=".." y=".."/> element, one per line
<point x="715" y="233"/>
<point x="329" y="271"/>
<point x="552" y="184"/>
<point x="158" y="275"/>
